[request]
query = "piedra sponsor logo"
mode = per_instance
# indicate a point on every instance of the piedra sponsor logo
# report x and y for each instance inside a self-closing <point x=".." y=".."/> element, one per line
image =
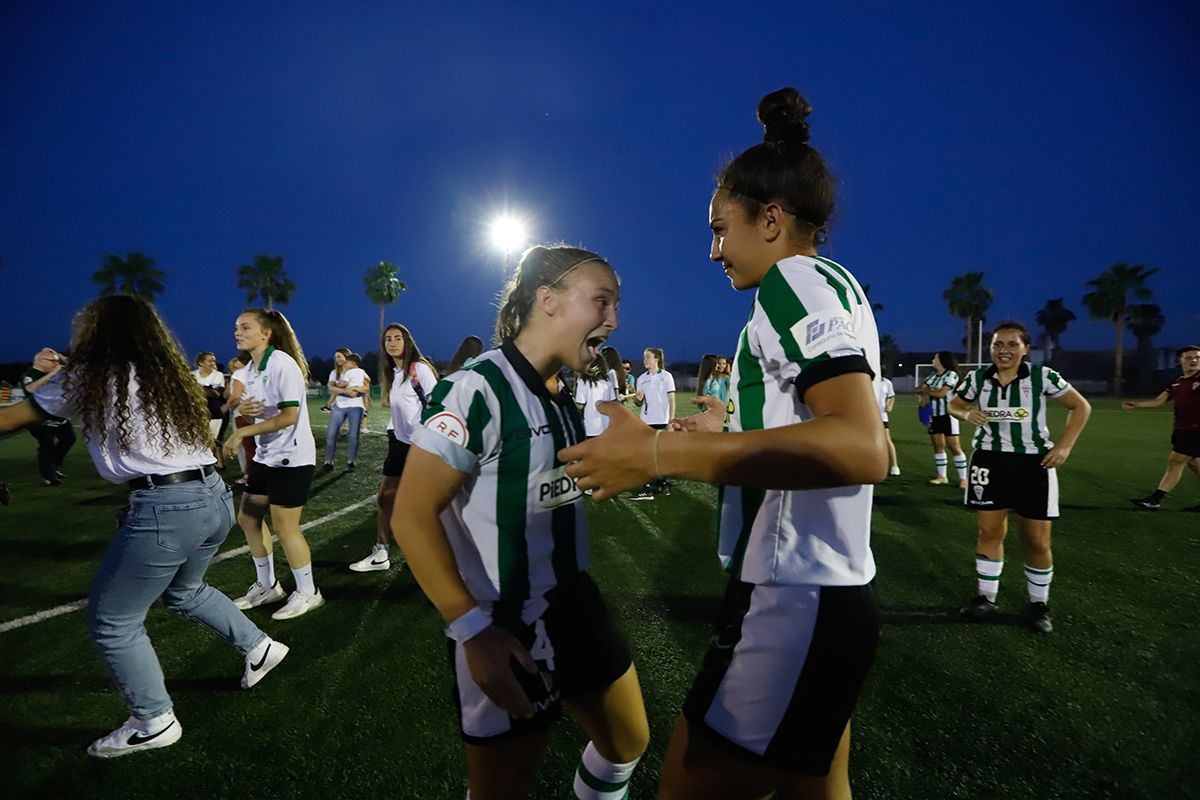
<point x="1007" y="414"/>
<point x="555" y="488"/>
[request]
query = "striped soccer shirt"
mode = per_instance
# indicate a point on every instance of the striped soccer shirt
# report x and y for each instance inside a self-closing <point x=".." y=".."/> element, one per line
<point x="516" y="526"/>
<point x="810" y="322"/>
<point x="940" y="406"/>
<point x="1016" y="413"/>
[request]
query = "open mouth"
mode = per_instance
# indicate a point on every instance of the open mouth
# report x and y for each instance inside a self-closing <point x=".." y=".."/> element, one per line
<point x="594" y="343"/>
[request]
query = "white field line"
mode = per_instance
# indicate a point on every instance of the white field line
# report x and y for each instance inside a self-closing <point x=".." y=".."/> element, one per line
<point x="647" y="524"/>
<point x="67" y="608"/>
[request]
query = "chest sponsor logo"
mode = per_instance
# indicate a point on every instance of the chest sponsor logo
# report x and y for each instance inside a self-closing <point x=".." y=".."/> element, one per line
<point x="449" y="426"/>
<point x="555" y="488"/>
<point x="821" y="332"/>
<point x="1007" y="414"/>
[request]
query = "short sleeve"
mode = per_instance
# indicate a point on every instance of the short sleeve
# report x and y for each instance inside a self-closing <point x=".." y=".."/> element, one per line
<point x="51" y="398"/>
<point x="1053" y="384"/>
<point x="968" y="390"/>
<point x="457" y="426"/>
<point x="426" y="377"/>
<point x="580" y="391"/>
<point x="888" y="389"/>
<point x="805" y="333"/>
<point x="290" y="387"/>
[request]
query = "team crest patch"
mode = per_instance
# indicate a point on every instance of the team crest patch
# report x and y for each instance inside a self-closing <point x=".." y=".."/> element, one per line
<point x="978" y="491"/>
<point x="449" y="426"/>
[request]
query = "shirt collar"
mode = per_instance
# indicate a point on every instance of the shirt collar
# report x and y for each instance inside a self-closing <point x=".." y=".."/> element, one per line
<point x="992" y="371"/>
<point x="262" y="365"/>
<point x="525" y="370"/>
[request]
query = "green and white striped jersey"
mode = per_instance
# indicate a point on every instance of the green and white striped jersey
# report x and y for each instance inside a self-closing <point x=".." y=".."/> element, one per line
<point x="1016" y="413"/>
<point x="940" y="406"/>
<point x="810" y="322"/>
<point x="516" y="526"/>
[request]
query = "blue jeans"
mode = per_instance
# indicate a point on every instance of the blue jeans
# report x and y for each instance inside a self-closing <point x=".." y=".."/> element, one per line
<point x="162" y="549"/>
<point x="336" y="416"/>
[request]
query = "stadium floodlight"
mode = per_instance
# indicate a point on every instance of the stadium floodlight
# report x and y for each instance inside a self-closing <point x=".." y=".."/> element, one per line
<point x="508" y="233"/>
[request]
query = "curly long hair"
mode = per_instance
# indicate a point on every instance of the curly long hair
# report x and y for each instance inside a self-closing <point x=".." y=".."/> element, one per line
<point x="117" y="337"/>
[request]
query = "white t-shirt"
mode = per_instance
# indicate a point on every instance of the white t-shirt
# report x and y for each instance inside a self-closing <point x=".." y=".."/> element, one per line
<point x="406" y="405"/>
<point x="148" y="452"/>
<point x="656" y="410"/>
<point x="810" y="322"/>
<point x="350" y="378"/>
<point x="277" y="381"/>
<point x="884" y="391"/>
<point x="215" y="379"/>
<point x="587" y="394"/>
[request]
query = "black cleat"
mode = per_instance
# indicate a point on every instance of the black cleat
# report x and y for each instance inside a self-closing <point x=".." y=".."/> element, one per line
<point x="1039" y="618"/>
<point x="979" y="609"/>
<point x="1148" y="503"/>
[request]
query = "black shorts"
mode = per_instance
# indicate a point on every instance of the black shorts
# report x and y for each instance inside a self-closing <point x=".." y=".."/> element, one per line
<point x="286" y="487"/>
<point x="885" y="424"/>
<point x="944" y="424"/>
<point x="577" y="648"/>
<point x="1017" y="481"/>
<point x="1185" y="442"/>
<point x="397" y="454"/>
<point x="784" y="671"/>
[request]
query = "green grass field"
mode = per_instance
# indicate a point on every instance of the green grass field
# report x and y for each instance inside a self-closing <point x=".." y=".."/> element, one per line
<point x="1108" y="706"/>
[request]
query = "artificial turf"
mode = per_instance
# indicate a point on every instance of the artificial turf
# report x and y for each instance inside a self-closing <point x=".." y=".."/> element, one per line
<point x="1106" y="706"/>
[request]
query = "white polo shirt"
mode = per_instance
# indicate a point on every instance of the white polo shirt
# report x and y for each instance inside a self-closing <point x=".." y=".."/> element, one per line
<point x="351" y="378"/>
<point x="587" y="394"/>
<point x="656" y="410"/>
<point x="406" y="405"/>
<point x="149" y="452"/>
<point x="884" y="391"/>
<point x="276" y="380"/>
<point x="215" y="379"/>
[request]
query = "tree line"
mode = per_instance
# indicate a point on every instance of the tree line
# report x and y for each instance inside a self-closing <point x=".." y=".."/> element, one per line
<point x="264" y="280"/>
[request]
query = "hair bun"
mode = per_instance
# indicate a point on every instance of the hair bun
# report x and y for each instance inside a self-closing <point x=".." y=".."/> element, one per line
<point x="782" y="114"/>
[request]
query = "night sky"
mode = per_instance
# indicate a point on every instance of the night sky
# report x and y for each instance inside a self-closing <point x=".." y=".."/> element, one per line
<point x="1039" y="142"/>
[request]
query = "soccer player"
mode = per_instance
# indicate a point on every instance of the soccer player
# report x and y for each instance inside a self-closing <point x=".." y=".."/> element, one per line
<point x="145" y="422"/>
<point x="886" y="396"/>
<point x="943" y="427"/>
<point x="656" y="397"/>
<point x="1014" y="465"/>
<point x="496" y="535"/>
<point x="55" y="435"/>
<point x="285" y="457"/>
<point x="407" y="379"/>
<point x="1184" y="392"/>
<point x="213" y="383"/>
<point x="770" y="710"/>
<point x="596" y="384"/>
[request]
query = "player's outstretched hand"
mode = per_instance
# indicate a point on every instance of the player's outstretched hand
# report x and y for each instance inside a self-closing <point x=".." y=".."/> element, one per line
<point x="489" y="658"/>
<point x="711" y="418"/>
<point x="47" y="361"/>
<point x="618" y="459"/>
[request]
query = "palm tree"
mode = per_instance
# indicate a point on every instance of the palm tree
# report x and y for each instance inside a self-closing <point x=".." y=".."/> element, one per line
<point x="265" y="278"/>
<point x="383" y="287"/>
<point x="1054" y="319"/>
<point x="134" y="274"/>
<point x="889" y="353"/>
<point x="968" y="299"/>
<point x="1146" y="321"/>
<point x="1109" y="298"/>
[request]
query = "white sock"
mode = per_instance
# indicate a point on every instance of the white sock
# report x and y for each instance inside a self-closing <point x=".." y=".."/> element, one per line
<point x="599" y="779"/>
<point x="988" y="572"/>
<point x="379" y="548"/>
<point x="1037" y="581"/>
<point x="960" y="466"/>
<point x="939" y="461"/>
<point x="264" y="568"/>
<point x="304" y="579"/>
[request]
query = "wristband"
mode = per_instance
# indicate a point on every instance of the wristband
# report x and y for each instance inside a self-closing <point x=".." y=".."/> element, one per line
<point x="469" y="625"/>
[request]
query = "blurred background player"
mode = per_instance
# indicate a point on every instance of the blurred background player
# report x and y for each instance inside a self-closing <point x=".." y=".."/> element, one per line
<point x="886" y="394"/>
<point x="1184" y="392"/>
<point x="943" y="428"/>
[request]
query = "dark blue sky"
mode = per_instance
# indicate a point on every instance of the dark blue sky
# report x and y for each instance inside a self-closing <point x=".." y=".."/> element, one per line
<point x="1040" y="142"/>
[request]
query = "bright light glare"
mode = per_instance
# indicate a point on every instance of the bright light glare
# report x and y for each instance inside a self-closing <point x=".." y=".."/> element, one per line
<point x="508" y="233"/>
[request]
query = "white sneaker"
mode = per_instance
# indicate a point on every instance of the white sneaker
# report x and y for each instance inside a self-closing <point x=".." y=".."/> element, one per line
<point x="894" y="471"/>
<point x="268" y="659"/>
<point x="138" y="734"/>
<point x="299" y="604"/>
<point x="259" y="595"/>
<point x="377" y="561"/>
